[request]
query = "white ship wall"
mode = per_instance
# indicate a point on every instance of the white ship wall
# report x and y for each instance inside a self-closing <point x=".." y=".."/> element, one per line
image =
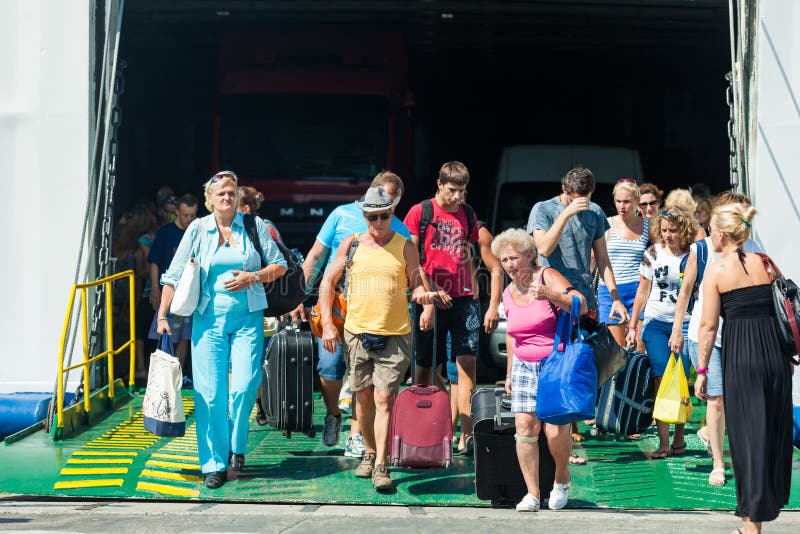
<point x="44" y="153"/>
<point x="775" y="176"/>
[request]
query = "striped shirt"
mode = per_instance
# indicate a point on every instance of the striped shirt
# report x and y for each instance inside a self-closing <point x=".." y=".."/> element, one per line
<point x="626" y="254"/>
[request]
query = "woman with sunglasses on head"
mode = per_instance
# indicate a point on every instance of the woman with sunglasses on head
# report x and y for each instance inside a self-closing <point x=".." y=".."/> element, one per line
<point x="228" y="331"/>
<point x="659" y="283"/>
<point x="626" y="239"/>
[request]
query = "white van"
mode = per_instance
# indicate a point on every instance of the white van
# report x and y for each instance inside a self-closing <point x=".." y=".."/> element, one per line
<point x="528" y="174"/>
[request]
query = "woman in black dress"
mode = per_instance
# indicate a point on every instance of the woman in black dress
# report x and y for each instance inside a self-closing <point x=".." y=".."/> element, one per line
<point x="757" y="376"/>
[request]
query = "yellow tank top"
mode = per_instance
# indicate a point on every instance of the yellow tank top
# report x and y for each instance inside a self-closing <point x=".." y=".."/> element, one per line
<point x="377" y="290"/>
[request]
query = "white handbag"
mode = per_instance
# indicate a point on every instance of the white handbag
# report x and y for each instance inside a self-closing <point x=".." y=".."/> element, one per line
<point x="187" y="294"/>
<point x="162" y="406"/>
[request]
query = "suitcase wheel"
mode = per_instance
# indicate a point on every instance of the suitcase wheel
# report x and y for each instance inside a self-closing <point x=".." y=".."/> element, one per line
<point x="311" y="433"/>
<point x="287" y="433"/>
<point x="594" y="432"/>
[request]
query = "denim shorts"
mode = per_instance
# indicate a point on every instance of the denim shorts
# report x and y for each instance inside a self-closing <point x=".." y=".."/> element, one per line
<point x="627" y="292"/>
<point x="714" y="376"/>
<point x="462" y="322"/>
<point x="655" y="336"/>
<point x="330" y="365"/>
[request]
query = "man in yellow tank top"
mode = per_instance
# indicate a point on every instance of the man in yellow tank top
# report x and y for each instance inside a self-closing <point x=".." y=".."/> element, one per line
<point x="377" y="329"/>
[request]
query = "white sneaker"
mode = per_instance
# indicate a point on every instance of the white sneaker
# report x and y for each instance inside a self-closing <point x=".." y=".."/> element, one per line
<point x="559" y="496"/>
<point x="331" y="429"/>
<point x="355" y="447"/>
<point x="529" y="503"/>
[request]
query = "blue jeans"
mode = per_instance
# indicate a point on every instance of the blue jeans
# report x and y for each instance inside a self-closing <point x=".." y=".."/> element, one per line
<point x="655" y="335"/>
<point x="714" y="376"/>
<point x="330" y="365"/>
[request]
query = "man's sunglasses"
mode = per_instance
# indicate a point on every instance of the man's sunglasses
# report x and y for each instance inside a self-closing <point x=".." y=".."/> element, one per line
<point x="650" y="204"/>
<point x="382" y="216"/>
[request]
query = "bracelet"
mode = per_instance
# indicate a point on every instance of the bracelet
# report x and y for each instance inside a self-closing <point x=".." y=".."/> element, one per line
<point x="701" y="370"/>
<point x="634" y="328"/>
<point x="162" y="319"/>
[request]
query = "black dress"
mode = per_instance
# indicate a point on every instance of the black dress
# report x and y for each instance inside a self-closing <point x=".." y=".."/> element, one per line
<point x="758" y="403"/>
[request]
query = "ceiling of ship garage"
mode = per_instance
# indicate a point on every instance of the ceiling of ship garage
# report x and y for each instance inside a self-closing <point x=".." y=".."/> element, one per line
<point x="501" y="29"/>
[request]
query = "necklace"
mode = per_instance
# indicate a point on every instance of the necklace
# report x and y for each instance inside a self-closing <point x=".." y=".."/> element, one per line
<point x="227" y="239"/>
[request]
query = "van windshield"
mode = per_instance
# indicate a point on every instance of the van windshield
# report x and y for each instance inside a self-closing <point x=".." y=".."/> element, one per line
<point x="515" y="201"/>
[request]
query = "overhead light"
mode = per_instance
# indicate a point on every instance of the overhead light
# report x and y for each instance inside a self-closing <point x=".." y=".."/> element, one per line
<point x="446" y="16"/>
<point x="223" y="13"/>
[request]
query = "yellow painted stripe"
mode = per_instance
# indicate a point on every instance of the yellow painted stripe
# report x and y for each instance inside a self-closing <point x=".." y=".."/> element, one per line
<point x="126" y="440"/>
<point x="98" y="483"/>
<point x="174" y="465"/>
<point x="152" y="473"/>
<point x="104" y="453"/>
<point x="176" y="457"/>
<point x="167" y="490"/>
<point x="98" y="460"/>
<point x="94" y="470"/>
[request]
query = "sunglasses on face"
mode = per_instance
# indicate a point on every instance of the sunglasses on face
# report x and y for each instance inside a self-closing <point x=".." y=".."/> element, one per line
<point x="650" y="204"/>
<point x="382" y="216"/>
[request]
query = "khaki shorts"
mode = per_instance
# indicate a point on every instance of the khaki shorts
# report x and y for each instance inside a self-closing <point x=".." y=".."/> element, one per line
<point x="384" y="369"/>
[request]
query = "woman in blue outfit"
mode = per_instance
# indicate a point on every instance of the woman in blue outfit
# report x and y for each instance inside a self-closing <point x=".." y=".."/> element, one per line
<point x="626" y="240"/>
<point x="228" y="331"/>
<point x="659" y="283"/>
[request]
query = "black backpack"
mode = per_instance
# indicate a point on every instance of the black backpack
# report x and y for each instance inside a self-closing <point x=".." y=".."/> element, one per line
<point x="427" y="217"/>
<point x="287" y="292"/>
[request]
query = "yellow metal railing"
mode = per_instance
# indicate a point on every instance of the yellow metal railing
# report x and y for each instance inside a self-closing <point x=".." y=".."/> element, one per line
<point x="109" y="353"/>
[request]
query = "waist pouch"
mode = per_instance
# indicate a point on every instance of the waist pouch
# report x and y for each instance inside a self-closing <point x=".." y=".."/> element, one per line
<point x="373" y="341"/>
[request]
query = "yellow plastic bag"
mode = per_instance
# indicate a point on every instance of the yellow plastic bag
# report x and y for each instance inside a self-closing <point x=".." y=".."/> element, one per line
<point x="673" y="404"/>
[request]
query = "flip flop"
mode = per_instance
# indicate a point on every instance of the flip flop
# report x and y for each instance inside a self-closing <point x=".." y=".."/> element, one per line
<point x="574" y="459"/>
<point x="660" y="454"/>
<point x="677" y="450"/>
<point x="717" y="477"/>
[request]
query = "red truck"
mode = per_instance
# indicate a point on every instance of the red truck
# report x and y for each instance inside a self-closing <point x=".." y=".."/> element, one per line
<point x="309" y="118"/>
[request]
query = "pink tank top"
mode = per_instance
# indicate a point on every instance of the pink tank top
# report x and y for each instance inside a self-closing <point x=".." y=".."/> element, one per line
<point x="532" y="327"/>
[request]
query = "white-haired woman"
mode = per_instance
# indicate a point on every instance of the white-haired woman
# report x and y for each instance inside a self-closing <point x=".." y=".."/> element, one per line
<point x="757" y="376"/>
<point x="530" y="302"/>
<point x="228" y="331"/>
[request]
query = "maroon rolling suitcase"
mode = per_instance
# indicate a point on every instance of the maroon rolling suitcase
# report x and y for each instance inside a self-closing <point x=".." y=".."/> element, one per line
<point x="421" y="432"/>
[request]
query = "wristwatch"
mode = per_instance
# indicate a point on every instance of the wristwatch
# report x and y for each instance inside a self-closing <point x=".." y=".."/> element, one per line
<point x="258" y="278"/>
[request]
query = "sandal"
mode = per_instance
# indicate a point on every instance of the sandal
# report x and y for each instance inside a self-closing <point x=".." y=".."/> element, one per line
<point x="574" y="459"/>
<point x="660" y="454"/>
<point x="717" y="477"/>
<point x="677" y="450"/>
<point x="577" y="438"/>
<point x="702" y="433"/>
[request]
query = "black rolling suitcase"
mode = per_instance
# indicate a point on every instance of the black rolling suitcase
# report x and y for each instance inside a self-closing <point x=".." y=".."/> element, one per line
<point x="625" y="403"/>
<point x="287" y="382"/>
<point x="497" y="474"/>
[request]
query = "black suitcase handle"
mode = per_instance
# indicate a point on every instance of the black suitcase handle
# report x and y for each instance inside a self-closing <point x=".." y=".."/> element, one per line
<point x="501" y="401"/>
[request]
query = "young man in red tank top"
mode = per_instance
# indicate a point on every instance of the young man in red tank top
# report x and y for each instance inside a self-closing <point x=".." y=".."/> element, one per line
<point x="446" y="261"/>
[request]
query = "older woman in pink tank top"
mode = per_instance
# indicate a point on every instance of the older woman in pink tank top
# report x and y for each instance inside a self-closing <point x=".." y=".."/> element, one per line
<point x="531" y="303"/>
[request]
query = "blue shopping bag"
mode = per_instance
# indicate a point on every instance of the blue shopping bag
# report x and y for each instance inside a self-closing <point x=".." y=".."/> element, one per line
<point x="567" y="386"/>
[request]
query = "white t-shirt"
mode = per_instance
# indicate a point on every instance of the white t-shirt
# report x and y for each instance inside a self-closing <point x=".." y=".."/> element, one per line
<point x="664" y="273"/>
<point x="694" y="322"/>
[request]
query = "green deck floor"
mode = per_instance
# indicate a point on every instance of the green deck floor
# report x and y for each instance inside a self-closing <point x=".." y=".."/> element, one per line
<point x="119" y="459"/>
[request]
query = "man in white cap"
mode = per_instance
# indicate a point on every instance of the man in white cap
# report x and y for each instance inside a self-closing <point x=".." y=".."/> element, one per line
<point x="377" y="329"/>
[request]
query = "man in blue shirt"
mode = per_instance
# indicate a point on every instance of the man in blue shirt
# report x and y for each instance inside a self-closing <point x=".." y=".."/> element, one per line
<point x="343" y="221"/>
<point x="161" y="253"/>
